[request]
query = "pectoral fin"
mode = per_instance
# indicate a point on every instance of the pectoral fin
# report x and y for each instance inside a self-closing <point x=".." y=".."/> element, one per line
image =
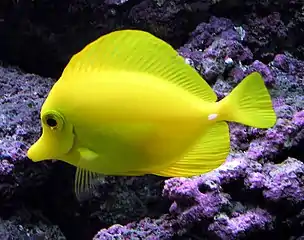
<point x="86" y="154"/>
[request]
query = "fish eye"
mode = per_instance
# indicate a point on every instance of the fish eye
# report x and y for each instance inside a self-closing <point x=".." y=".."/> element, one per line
<point x="51" y="122"/>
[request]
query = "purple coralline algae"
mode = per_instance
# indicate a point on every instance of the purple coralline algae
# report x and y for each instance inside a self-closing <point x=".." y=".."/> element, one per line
<point x="257" y="193"/>
<point x="156" y="229"/>
<point x="242" y="198"/>
<point x="19" y="103"/>
<point x="284" y="181"/>
<point x="239" y="226"/>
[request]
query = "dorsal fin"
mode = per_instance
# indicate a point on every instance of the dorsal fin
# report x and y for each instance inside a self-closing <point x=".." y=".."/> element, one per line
<point x="138" y="51"/>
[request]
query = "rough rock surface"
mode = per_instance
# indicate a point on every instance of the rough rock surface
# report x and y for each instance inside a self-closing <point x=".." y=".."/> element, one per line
<point x="259" y="191"/>
<point x="49" y="186"/>
<point x="244" y="197"/>
<point x="41" y="36"/>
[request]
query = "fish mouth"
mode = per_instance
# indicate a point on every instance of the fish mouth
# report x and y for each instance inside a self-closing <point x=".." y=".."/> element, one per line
<point x="39" y="151"/>
<point x="51" y="148"/>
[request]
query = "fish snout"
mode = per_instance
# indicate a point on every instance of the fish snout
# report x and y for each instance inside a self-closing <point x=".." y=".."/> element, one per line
<point x="38" y="152"/>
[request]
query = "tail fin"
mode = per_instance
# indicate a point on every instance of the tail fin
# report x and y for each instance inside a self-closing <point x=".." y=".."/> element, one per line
<point x="249" y="104"/>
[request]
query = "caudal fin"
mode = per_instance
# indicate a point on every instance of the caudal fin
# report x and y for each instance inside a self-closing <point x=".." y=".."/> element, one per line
<point x="249" y="103"/>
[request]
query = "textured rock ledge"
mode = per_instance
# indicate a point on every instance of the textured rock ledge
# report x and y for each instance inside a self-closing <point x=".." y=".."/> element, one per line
<point x="41" y="36"/>
<point x="257" y="192"/>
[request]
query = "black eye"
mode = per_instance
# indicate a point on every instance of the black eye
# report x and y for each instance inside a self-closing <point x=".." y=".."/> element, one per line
<point x="51" y="122"/>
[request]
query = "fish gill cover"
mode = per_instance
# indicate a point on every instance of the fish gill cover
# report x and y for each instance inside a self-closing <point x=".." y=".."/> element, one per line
<point x="258" y="192"/>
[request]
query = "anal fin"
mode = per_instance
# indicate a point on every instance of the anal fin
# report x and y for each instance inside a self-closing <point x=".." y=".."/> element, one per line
<point x="209" y="153"/>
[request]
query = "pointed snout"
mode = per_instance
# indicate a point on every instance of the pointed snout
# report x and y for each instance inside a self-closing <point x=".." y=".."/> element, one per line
<point x="38" y="151"/>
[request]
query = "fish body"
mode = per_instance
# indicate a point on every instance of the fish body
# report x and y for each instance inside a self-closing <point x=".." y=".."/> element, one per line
<point x="141" y="128"/>
<point x="128" y="104"/>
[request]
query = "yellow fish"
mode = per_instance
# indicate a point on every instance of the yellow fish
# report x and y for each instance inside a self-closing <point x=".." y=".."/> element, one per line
<point x="128" y="104"/>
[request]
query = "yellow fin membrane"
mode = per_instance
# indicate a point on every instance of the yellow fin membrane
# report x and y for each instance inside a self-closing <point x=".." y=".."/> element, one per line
<point x="138" y="51"/>
<point x="85" y="182"/>
<point x="249" y="103"/>
<point x="87" y="155"/>
<point x="209" y="153"/>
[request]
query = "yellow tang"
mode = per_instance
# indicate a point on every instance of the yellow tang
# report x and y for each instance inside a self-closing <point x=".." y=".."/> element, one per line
<point x="128" y="104"/>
